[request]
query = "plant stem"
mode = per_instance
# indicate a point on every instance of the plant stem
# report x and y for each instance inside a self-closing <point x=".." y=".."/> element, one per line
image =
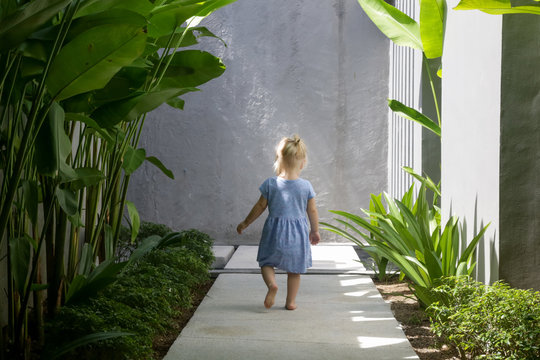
<point x="428" y="70"/>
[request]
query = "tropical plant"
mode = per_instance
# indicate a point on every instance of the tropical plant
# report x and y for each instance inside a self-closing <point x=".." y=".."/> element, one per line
<point x="427" y="36"/>
<point x="409" y="234"/>
<point x="77" y="79"/>
<point x="500" y="7"/>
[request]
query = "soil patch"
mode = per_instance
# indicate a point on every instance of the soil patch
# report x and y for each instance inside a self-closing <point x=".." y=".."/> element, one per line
<point x="414" y="321"/>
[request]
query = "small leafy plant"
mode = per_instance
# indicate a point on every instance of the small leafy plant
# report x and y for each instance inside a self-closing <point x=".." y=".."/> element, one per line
<point x="487" y="322"/>
<point x="155" y="285"/>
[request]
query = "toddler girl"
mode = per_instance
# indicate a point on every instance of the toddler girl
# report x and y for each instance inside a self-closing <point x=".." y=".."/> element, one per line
<point x="286" y="236"/>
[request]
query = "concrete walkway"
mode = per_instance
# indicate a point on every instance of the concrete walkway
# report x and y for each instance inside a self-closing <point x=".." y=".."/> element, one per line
<point x="339" y="316"/>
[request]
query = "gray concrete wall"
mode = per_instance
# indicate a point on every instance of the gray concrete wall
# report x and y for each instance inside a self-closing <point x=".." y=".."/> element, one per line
<point x="471" y="99"/>
<point x="318" y="68"/>
<point x="520" y="152"/>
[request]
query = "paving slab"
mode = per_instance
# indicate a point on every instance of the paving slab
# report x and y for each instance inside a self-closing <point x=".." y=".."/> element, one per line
<point x="338" y="317"/>
<point x="222" y="254"/>
<point x="326" y="258"/>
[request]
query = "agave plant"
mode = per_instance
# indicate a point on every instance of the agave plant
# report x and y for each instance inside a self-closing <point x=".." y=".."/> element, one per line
<point x="408" y="233"/>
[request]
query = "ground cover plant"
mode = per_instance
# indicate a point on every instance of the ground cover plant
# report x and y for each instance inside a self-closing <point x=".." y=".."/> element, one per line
<point x="140" y="304"/>
<point x="487" y="322"/>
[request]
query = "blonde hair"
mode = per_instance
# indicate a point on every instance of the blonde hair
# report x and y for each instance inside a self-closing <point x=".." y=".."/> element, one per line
<point x="290" y="153"/>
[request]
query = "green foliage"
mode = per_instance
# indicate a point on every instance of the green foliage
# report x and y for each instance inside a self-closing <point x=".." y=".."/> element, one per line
<point x="147" y="294"/>
<point x="487" y="322"/>
<point x="499" y="7"/>
<point x="426" y="36"/>
<point x="77" y="79"/>
<point x="409" y="234"/>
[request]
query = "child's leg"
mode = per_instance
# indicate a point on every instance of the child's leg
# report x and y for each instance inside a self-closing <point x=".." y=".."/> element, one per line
<point x="293" y="284"/>
<point x="269" y="277"/>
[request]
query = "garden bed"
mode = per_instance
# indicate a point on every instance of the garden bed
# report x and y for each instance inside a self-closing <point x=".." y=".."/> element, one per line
<point x="414" y="321"/>
<point x="164" y="341"/>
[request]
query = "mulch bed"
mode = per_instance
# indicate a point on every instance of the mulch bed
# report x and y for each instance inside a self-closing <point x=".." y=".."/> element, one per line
<point x="414" y="321"/>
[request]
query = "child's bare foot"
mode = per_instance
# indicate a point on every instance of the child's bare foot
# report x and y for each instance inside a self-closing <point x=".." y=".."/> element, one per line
<point x="270" y="296"/>
<point x="290" y="306"/>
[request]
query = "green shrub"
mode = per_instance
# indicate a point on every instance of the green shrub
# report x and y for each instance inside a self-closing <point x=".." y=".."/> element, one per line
<point x="125" y="246"/>
<point x="487" y="322"/>
<point x="145" y="296"/>
<point x="198" y="242"/>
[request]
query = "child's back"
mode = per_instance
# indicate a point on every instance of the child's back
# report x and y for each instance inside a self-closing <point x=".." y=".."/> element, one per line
<point x="286" y="237"/>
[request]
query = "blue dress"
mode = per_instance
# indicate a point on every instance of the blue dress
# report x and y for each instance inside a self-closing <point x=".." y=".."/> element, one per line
<point x="285" y="237"/>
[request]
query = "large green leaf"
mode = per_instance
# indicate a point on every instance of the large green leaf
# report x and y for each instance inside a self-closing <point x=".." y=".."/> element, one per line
<point x="20" y="254"/>
<point x="91" y="123"/>
<point x="52" y="143"/>
<point x="157" y="163"/>
<point x="432" y="23"/>
<point x="109" y="17"/>
<point x="143" y="7"/>
<point x="497" y="7"/>
<point x="68" y="201"/>
<point x="165" y="19"/>
<point x="16" y="27"/>
<point x="134" y="219"/>
<point x="133" y="159"/>
<point x="396" y="25"/>
<point x="190" y="37"/>
<point x="191" y="68"/>
<point x="31" y="199"/>
<point x="86" y="176"/>
<point x="90" y="60"/>
<point x="414" y="115"/>
<point x="102" y="276"/>
<point x="129" y="109"/>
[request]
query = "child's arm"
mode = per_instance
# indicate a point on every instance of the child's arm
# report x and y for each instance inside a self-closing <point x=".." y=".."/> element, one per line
<point x="314" y="236"/>
<point x="257" y="210"/>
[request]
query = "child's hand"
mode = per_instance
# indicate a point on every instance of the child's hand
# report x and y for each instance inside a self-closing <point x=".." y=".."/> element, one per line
<point x="241" y="227"/>
<point x="314" y="237"/>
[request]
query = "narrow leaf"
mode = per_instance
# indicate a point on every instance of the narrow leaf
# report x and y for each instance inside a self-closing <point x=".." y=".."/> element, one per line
<point x="134" y="219"/>
<point x="85" y="340"/>
<point x="157" y="163"/>
<point x="20" y="251"/>
<point x="31" y="199"/>
<point x="414" y="115"/>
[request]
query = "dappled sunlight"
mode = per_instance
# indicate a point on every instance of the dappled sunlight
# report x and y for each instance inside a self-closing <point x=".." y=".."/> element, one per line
<point x="366" y="342"/>
<point x="363" y="318"/>
<point x="357" y="293"/>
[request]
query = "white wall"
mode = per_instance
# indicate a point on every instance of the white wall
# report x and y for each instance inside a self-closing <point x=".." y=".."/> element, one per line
<point x="471" y="99"/>
<point x="314" y="67"/>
